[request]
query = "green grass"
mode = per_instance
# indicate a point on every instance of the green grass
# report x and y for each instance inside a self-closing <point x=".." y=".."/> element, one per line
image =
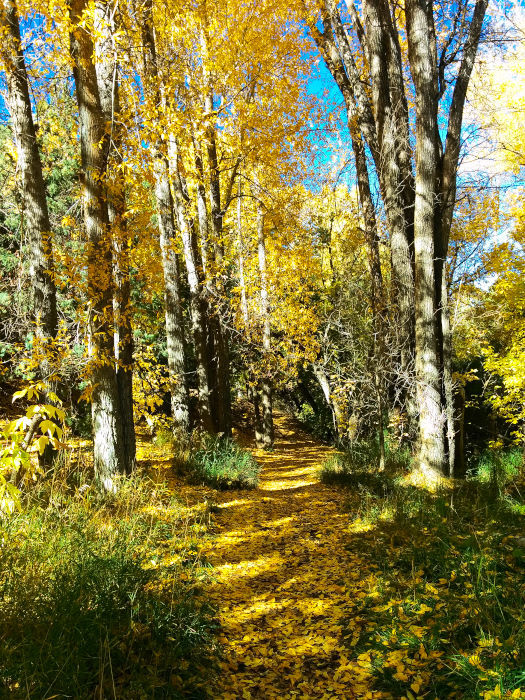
<point x="497" y="467"/>
<point x="92" y="601"/>
<point x="446" y="610"/>
<point x="360" y="462"/>
<point x="223" y="464"/>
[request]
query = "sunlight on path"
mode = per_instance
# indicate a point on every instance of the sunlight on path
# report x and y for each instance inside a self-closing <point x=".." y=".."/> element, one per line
<point x="285" y="585"/>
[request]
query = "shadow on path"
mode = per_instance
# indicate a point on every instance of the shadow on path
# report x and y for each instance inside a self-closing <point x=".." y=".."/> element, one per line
<point x="285" y="583"/>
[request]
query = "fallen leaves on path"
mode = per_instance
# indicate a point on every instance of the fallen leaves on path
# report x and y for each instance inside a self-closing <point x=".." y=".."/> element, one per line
<point x="281" y="583"/>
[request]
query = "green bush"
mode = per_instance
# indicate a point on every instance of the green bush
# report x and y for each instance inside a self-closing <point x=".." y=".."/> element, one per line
<point x="91" y="601"/>
<point x="318" y="423"/>
<point x="223" y="464"/>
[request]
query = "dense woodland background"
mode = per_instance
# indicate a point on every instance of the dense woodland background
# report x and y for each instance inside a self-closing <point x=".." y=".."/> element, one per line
<point x="211" y="212"/>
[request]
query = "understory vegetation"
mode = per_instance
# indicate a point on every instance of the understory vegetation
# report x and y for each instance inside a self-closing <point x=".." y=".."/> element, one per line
<point x="100" y="595"/>
<point x="446" y="615"/>
<point x="211" y="460"/>
<point x="222" y="463"/>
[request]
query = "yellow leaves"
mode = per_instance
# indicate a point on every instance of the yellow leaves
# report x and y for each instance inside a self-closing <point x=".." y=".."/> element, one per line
<point x="22" y="437"/>
<point x="474" y="660"/>
<point x="496" y="693"/>
<point x="32" y="391"/>
<point x="68" y="222"/>
<point x="281" y="586"/>
<point x="486" y="643"/>
<point x="423" y="609"/>
<point x="87" y="394"/>
<point x="416" y="685"/>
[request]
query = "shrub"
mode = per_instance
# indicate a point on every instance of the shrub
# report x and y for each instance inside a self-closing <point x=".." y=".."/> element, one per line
<point x="223" y="464"/>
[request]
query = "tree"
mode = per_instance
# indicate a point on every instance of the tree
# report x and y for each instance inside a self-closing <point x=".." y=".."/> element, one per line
<point x="419" y="205"/>
<point x="108" y="438"/>
<point x="107" y="68"/>
<point x="167" y="236"/>
<point x="266" y="380"/>
<point x="34" y="202"/>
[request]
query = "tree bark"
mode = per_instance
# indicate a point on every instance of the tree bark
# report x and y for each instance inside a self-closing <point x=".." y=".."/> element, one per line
<point x="108" y="444"/>
<point x="167" y="238"/>
<point x="108" y="85"/>
<point x="266" y="379"/>
<point x="448" y="383"/>
<point x="420" y="31"/>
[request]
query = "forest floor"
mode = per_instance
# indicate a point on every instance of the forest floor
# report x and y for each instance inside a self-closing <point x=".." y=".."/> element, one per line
<point x="284" y="584"/>
<point x="363" y="590"/>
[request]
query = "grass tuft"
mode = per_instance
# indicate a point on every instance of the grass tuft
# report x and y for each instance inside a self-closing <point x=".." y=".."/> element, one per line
<point x="222" y="463"/>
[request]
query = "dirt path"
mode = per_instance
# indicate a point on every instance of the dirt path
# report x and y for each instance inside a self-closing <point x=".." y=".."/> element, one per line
<point x="284" y="583"/>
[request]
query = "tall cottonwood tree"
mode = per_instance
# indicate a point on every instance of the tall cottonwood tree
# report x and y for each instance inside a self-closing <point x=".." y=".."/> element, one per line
<point x="418" y="203"/>
<point x="266" y="388"/>
<point x="108" y="438"/>
<point x="34" y="205"/>
<point x="33" y="191"/>
<point x="167" y="235"/>
<point x="220" y="355"/>
<point x="108" y="78"/>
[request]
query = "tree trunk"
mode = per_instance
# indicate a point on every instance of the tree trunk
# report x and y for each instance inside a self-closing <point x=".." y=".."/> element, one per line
<point x="448" y="383"/>
<point x="395" y="174"/>
<point x="34" y="202"/>
<point x="459" y="469"/>
<point x="428" y="375"/>
<point x="222" y="389"/>
<point x="266" y="379"/>
<point x="32" y="182"/>
<point x="202" y="215"/>
<point x="167" y="238"/>
<point x="389" y="151"/>
<point x="220" y="356"/>
<point x="108" y="87"/>
<point x="321" y="377"/>
<point x="259" y="427"/>
<point x="195" y="284"/>
<point x="109" y="452"/>
<point x="242" y="280"/>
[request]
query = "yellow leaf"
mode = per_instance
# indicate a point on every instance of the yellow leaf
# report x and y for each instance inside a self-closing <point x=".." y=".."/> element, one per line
<point x="42" y="443"/>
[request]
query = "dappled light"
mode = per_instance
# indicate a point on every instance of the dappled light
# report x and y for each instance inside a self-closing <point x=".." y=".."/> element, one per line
<point x="281" y="581"/>
<point x="262" y="350"/>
